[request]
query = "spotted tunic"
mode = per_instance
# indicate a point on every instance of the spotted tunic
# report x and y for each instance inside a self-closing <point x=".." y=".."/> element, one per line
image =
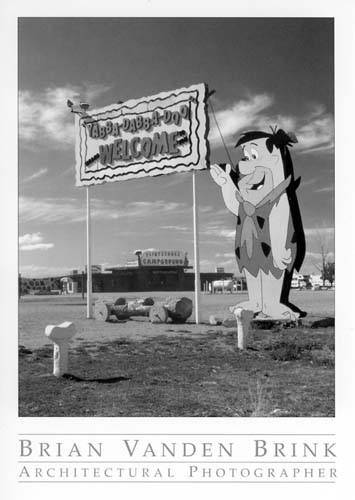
<point x="252" y="239"/>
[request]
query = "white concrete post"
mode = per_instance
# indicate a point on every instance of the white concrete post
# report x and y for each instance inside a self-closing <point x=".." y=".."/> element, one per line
<point x="243" y="317"/>
<point x="60" y="335"/>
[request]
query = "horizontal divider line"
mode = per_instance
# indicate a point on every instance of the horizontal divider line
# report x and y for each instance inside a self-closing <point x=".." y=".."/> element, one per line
<point x="169" y="462"/>
<point x="204" y="482"/>
<point x="161" y="434"/>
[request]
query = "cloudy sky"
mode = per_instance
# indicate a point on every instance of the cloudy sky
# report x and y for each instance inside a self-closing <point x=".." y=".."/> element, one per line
<point x="265" y="72"/>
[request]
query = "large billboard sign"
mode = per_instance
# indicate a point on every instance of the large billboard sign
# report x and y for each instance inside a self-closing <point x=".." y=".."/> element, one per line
<point x="155" y="135"/>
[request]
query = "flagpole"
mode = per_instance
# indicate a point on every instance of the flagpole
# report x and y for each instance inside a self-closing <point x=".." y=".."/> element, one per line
<point x="88" y="256"/>
<point x="196" y="250"/>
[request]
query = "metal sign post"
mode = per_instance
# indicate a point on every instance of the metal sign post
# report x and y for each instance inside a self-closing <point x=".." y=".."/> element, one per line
<point x="196" y="250"/>
<point x="88" y="256"/>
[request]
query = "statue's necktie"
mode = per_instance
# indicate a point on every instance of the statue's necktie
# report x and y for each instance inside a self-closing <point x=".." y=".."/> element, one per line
<point x="248" y="230"/>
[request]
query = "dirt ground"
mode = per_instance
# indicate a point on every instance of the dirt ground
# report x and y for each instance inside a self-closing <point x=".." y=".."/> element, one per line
<point x="284" y="373"/>
<point x="137" y="369"/>
<point x="36" y="312"/>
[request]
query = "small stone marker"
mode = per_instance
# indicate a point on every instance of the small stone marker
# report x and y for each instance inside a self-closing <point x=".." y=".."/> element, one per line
<point x="60" y="335"/>
<point x="243" y="317"/>
<point x="214" y="320"/>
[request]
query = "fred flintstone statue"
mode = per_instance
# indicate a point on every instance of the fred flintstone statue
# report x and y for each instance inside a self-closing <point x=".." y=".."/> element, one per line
<point x="270" y="242"/>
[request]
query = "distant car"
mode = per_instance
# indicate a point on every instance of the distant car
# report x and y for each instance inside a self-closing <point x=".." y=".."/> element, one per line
<point x="304" y="285"/>
<point x="322" y="287"/>
<point x="294" y="283"/>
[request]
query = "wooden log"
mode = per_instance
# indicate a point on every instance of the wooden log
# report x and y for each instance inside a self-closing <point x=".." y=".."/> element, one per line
<point x="179" y="309"/>
<point x="120" y="311"/>
<point x="102" y="310"/>
<point x="158" y="314"/>
<point x="120" y="301"/>
<point x="149" y="301"/>
<point x="132" y="308"/>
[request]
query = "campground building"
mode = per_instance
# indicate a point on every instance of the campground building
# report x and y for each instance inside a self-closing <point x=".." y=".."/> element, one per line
<point x="155" y="270"/>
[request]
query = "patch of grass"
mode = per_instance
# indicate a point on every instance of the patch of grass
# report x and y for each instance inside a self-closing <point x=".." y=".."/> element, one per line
<point x="286" y="351"/>
<point x="287" y="373"/>
<point x="324" y="356"/>
<point x="259" y="399"/>
<point x="301" y="346"/>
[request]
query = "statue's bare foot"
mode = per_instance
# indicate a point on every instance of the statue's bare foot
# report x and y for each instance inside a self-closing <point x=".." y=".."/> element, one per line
<point x="280" y="311"/>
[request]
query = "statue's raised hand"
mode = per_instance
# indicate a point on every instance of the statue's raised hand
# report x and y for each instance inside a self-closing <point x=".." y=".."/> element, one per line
<point x="225" y="182"/>
<point x="219" y="175"/>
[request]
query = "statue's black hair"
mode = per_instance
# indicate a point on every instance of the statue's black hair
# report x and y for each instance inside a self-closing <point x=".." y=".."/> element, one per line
<point x="277" y="138"/>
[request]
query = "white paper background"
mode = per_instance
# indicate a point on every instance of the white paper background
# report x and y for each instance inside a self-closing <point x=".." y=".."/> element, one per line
<point x="343" y="11"/>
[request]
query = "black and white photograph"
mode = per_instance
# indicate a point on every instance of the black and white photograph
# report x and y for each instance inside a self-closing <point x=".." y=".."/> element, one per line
<point x="191" y="215"/>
